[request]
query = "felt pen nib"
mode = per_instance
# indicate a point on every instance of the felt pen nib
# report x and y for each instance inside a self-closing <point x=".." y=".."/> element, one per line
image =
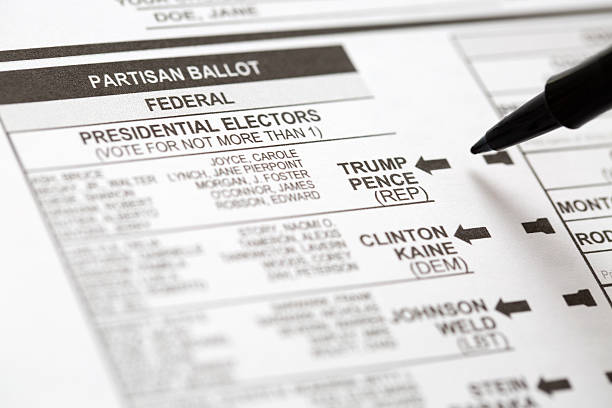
<point x="481" y="146"/>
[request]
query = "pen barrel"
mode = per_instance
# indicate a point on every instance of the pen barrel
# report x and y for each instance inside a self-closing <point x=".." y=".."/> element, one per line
<point x="578" y="94"/>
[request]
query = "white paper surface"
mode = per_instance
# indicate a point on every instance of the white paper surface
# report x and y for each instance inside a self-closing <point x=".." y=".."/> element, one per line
<point x="312" y="232"/>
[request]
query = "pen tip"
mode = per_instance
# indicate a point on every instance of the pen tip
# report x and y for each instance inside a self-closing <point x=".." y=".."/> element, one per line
<point x="481" y="146"/>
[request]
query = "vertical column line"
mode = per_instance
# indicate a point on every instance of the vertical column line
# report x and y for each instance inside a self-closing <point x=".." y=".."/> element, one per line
<point x="483" y="89"/>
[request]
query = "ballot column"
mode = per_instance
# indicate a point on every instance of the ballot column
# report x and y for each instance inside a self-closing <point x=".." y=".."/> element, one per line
<point x="196" y="199"/>
<point x="572" y="166"/>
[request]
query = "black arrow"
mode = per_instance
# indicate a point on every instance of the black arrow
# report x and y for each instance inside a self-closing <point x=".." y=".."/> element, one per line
<point x="499" y="157"/>
<point x="582" y="297"/>
<point x="609" y="376"/>
<point x="539" y="225"/>
<point x="428" y="165"/>
<point x="550" y="387"/>
<point x="508" y="308"/>
<point x="469" y="234"/>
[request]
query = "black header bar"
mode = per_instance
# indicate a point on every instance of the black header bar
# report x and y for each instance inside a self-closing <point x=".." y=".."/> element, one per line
<point x="123" y="77"/>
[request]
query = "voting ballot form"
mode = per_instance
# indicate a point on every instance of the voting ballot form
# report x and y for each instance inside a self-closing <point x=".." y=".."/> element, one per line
<point x="273" y="204"/>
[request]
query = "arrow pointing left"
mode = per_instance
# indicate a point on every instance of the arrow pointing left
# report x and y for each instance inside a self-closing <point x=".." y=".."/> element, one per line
<point x="507" y="308"/>
<point x="428" y="165"/>
<point x="553" y="386"/>
<point x="469" y="234"/>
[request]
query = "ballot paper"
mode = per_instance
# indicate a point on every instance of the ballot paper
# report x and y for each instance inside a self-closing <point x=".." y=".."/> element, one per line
<point x="273" y="204"/>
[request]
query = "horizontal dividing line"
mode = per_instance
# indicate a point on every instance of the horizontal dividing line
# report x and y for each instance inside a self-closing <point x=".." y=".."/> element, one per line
<point x="237" y="301"/>
<point x="332" y="372"/>
<point x="605" y="285"/>
<point x="80" y="166"/>
<point x="533" y="31"/>
<point x="209" y="3"/>
<point x="589" y="218"/>
<point x="597" y="251"/>
<point x="258" y="298"/>
<point x="570" y="148"/>
<point x="240" y="301"/>
<point x="527" y="53"/>
<point x="371" y="12"/>
<point x="356" y="98"/>
<point x="243" y="222"/>
<point x="102" y="48"/>
<point x="579" y="186"/>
